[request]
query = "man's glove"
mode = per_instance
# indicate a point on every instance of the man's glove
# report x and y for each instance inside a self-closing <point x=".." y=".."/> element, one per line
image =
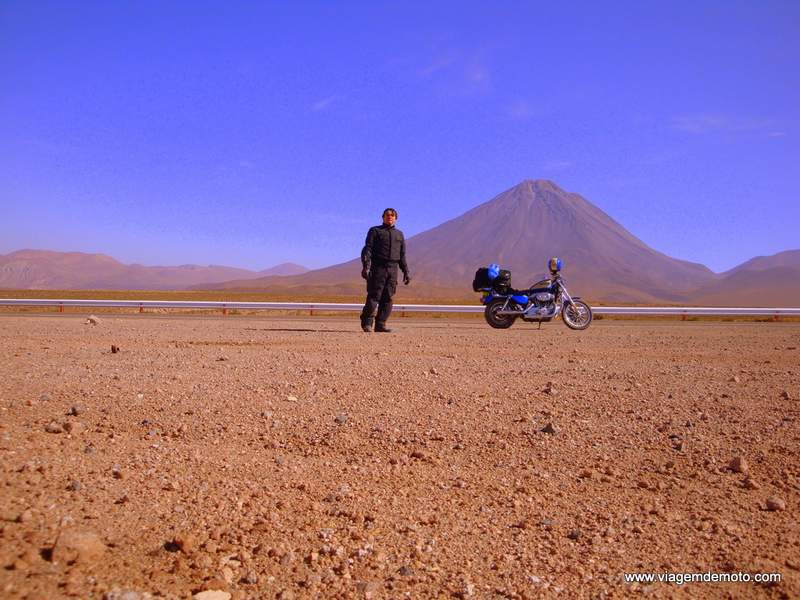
<point x="365" y="273"/>
<point x="406" y="278"/>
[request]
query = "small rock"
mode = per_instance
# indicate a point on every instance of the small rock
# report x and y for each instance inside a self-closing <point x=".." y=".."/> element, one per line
<point x="77" y="409"/>
<point x="75" y="486"/>
<point x="550" y="388"/>
<point x="26" y="516"/>
<point x="73" y="427"/>
<point x="434" y="371"/>
<point x="78" y="546"/>
<point x="368" y="589"/>
<point x="92" y="320"/>
<point x="291" y="398"/>
<point x="186" y="541"/>
<point x="739" y="464"/>
<point x="750" y="484"/>
<point x="574" y="534"/>
<point x="785" y="395"/>
<point x="45" y="398"/>
<point x="406" y="571"/>
<point x="126" y="595"/>
<point x="341" y="419"/>
<point x="775" y="503"/>
<point x="734" y="379"/>
<point x="547" y="523"/>
<point x="54" y="427"/>
<point x="548" y="429"/>
<point x="251" y="577"/>
<point x="114" y="349"/>
<point x="212" y="595"/>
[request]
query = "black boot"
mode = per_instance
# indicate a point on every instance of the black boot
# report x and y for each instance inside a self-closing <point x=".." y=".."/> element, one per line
<point x="380" y="328"/>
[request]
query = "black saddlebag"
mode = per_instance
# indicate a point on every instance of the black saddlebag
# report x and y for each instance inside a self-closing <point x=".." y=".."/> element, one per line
<point x="481" y="281"/>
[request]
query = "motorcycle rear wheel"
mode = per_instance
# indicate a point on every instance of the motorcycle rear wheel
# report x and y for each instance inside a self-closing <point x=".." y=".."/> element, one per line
<point x="577" y="315"/>
<point x="495" y="320"/>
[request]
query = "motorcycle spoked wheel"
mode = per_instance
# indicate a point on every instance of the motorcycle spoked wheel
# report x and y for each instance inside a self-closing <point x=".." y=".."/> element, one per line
<point x="495" y="320"/>
<point x="577" y="315"/>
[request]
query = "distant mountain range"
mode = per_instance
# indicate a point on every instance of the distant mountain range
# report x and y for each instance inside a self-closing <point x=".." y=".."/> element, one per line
<point x="519" y="229"/>
<point x="44" y="269"/>
<point x="524" y="226"/>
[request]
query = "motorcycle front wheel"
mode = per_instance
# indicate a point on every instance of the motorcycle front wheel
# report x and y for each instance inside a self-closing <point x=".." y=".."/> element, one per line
<point x="495" y="320"/>
<point x="577" y="315"/>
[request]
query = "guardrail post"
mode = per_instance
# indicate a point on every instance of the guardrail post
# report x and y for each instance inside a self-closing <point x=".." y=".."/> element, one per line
<point x="683" y="316"/>
<point x="311" y="312"/>
<point x="224" y="309"/>
<point x="141" y="308"/>
<point x="776" y="317"/>
<point x="61" y="307"/>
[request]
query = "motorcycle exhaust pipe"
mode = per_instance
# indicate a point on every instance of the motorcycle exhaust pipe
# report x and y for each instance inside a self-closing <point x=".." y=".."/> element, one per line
<point x="510" y="313"/>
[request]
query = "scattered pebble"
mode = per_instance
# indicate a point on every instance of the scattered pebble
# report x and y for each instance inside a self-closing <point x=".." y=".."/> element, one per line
<point x="77" y="409"/>
<point x="739" y="464"/>
<point x="186" y="541"/>
<point x="54" y="427"/>
<point x="78" y="545"/>
<point x="212" y="595"/>
<point x="548" y="429"/>
<point x="126" y="595"/>
<point x="774" y="503"/>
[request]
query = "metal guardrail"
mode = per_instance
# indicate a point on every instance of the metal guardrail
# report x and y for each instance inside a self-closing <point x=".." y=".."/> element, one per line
<point x="428" y="308"/>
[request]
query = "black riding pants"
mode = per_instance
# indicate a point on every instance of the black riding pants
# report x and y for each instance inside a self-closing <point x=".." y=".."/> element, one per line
<point x="381" y="286"/>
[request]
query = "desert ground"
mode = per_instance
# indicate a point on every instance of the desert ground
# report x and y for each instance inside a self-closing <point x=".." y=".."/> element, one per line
<point x="265" y="457"/>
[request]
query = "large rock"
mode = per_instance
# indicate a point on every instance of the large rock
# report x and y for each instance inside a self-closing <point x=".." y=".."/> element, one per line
<point x="78" y="546"/>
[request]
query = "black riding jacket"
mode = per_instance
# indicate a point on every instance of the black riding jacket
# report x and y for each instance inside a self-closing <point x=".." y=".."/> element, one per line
<point x="385" y="245"/>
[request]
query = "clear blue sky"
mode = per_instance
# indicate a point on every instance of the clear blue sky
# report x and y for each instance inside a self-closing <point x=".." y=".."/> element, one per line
<point x="251" y="133"/>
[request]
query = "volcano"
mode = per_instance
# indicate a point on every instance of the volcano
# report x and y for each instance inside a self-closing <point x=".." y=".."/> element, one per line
<point x="521" y="229"/>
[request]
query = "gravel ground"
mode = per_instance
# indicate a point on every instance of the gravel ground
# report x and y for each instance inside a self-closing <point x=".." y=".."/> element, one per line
<point x="302" y="458"/>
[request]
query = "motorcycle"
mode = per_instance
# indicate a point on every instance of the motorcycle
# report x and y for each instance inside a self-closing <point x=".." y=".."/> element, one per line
<point x="542" y="302"/>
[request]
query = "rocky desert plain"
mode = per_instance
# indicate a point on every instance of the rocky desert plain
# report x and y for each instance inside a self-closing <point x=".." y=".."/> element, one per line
<point x="176" y="456"/>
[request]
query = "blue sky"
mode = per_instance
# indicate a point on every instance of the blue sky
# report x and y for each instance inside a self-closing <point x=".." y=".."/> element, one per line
<point x="249" y="133"/>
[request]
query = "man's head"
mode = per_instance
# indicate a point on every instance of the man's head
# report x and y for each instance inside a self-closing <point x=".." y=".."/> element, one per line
<point x="389" y="216"/>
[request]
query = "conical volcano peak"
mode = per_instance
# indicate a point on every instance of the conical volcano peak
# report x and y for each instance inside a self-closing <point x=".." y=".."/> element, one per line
<point x="534" y="186"/>
<point x="534" y="194"/>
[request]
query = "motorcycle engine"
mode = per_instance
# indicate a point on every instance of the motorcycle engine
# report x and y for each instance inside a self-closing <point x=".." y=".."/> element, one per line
<point x="543" y="298"/>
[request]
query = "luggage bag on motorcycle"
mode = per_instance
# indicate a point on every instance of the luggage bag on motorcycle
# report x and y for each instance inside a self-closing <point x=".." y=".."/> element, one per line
<point x="502" y="282"/>
<point x="482" y="281"/>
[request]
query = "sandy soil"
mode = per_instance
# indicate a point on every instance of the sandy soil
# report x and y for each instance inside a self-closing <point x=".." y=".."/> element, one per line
<point x="268" y="457"/>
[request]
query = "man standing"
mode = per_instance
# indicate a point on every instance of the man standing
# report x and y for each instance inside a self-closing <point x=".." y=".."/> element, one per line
<point x="384" y="251"/>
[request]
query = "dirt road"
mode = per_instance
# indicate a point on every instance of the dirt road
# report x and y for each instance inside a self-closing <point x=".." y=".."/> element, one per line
<point x="268" y="457"/>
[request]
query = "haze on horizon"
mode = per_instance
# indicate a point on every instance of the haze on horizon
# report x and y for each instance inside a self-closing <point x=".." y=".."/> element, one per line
<point x="250" y="135"/>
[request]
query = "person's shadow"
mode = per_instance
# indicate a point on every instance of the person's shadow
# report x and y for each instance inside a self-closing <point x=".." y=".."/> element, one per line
<point x="302" y="330"/>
